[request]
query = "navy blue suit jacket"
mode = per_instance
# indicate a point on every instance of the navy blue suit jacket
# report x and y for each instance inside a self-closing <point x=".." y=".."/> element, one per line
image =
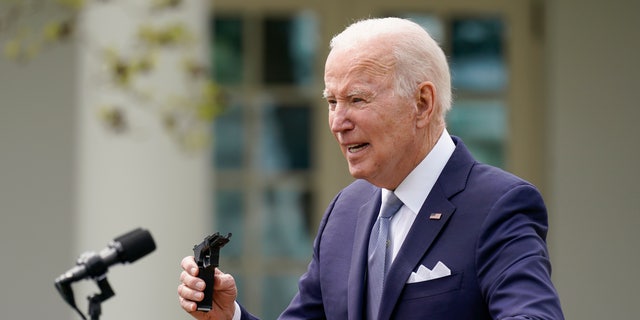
<point x="491" y="235"/>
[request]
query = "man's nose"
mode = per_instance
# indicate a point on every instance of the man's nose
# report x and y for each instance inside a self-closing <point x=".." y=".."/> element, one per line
<point x="339" y="119"/>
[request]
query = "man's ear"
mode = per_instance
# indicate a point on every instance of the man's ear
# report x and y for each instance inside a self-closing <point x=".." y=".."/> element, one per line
<point x="426" y="103"/>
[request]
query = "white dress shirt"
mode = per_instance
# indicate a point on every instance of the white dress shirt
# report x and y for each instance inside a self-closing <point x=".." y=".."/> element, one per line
<point x="415" y="188"/>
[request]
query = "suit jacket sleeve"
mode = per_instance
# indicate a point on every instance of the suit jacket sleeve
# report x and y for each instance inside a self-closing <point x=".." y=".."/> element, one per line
<point x="512" y="260"/>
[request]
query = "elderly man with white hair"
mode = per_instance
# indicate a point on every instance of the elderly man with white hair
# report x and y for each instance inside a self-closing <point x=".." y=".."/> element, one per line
<point x="425" y="231"/>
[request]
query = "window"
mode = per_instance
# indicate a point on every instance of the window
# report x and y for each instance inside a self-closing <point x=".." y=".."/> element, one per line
<point x="475" y="49"/>
<point x="263" y="152"/>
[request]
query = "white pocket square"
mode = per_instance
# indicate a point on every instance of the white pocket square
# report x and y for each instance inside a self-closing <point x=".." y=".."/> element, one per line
<point x="425" y="274"/>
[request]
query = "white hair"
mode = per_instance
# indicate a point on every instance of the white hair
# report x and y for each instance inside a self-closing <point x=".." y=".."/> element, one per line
<point x="418" y="57"/>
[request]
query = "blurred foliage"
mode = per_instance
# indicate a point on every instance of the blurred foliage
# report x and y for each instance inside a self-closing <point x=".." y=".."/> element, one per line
<point x="30" y="27"/>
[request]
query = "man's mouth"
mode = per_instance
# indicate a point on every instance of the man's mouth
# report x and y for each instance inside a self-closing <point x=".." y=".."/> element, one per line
<point x="356" y="147"/>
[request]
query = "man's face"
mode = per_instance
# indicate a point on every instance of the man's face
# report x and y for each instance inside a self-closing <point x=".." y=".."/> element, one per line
<point x="374" y="125"/>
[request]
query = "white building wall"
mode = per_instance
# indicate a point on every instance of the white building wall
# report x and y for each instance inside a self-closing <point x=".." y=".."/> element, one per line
<point x="69" y="185"/>
<point x="594" y="155"/>
<point x="37" y="169"/>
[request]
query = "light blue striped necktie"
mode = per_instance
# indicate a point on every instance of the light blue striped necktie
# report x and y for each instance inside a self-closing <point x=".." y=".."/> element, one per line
<point x="380" y="254"/>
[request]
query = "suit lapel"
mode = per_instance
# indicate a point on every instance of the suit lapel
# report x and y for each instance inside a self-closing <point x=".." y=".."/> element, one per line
<point x="421" y="236"/>
<point x="357" y="274"/>
<point x="425" y="230"/>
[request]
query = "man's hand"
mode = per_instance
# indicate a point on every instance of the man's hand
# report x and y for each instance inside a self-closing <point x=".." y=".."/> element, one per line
<point x="191" y="287"/>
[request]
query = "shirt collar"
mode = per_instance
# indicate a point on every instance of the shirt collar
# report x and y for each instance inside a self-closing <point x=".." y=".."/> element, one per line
<point x="415" y="188"/>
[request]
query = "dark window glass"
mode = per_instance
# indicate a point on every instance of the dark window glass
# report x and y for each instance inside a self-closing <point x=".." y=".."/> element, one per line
<point x="229" y="139"/>
<point x="229" y="218"/>
<point x="227" y="50"/>
<point x="481" y="125"/>
<point x="477" y="56"/>
<point x="286" y="224"/>
<point x="278" y="292"/>
<point x="241" y="284"/>
<point x="289" y="49"/>
<point x="286" y="138"/>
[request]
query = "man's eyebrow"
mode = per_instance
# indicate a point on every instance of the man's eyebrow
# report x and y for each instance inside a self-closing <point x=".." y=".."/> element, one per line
<point x="356" y="92"/>
<point x="350" y="94"/>
<point x="359" y="93"/>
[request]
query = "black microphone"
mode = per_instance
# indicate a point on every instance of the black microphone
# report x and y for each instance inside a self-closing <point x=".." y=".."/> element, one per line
<point x="126" y="248"/>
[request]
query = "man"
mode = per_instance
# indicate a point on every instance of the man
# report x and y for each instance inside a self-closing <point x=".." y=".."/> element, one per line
<point x="468" y="241"/>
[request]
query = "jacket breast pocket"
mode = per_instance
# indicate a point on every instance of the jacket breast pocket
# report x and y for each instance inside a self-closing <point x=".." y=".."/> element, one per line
<point x="432" y="287"/>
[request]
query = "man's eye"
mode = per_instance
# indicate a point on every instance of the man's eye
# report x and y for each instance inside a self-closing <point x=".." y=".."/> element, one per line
<point x="332" y="103"/>
<point x="357" y="100"/>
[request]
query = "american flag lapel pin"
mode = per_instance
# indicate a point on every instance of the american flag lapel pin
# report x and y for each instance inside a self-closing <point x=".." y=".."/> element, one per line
<point x="435" y="216"/>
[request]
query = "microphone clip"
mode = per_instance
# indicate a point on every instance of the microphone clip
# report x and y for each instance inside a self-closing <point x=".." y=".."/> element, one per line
<point x="95" y="308"/>
<point x="95" y="301"/>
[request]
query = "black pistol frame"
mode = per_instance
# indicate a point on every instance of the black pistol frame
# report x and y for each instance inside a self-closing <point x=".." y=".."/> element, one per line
<point x="206" y="255"/>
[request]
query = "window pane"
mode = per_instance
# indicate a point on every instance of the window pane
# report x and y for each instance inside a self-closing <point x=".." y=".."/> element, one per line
<point x="478" y="55"/>
<point x="286" y="225"/>
<point x="227" y="50"/>
<point x="241" y="284"/>
<point x="289" y="49"/>
<point x="481" y="124"/>
<point x="229" y="139"/>
<point x="229" y="218"/>
<point x="277" y="292"/>
<point x="286" y="138"/>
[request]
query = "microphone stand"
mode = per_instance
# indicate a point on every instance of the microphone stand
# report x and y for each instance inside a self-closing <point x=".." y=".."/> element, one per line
<point x="95" y="300"/>
<point x="95" y="308"/>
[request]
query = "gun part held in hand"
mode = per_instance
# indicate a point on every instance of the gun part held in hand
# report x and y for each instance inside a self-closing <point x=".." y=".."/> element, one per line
<point x="207" y="254"/>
